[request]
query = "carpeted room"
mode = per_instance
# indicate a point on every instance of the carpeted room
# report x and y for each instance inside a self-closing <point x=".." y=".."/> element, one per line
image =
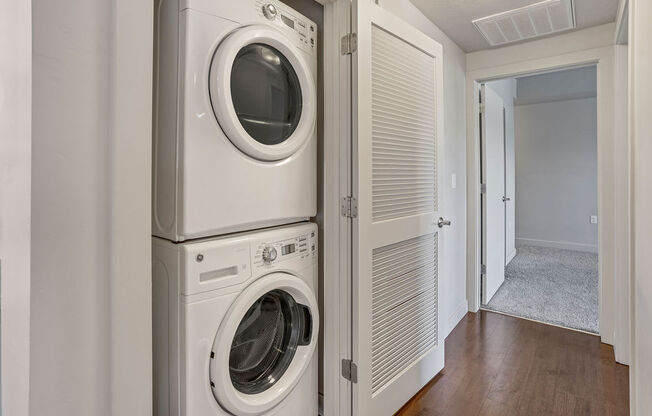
<point x="551" y="208"/>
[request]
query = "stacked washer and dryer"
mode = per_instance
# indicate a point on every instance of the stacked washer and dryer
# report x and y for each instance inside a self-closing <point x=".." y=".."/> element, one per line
<point x="234" y="184"/>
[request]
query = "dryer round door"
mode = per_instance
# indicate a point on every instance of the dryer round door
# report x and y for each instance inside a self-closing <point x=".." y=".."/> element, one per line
<point x="262" y="93"/>
<point x="264" y="344"/>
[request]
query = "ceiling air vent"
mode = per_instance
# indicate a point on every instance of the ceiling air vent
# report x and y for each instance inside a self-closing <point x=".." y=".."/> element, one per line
<point x="539" y="19"/>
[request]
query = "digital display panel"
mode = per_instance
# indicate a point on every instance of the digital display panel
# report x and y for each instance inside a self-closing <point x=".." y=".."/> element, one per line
<point x="288" y="249"/>
<point x="288" y="21"/>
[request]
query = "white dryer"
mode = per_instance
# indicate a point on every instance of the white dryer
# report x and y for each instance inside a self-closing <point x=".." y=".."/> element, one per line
<point x="236" y="324"/>
<point x="234" y="117"/>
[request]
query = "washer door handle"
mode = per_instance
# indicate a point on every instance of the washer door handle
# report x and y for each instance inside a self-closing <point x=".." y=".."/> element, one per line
<point x="306" y="325"/>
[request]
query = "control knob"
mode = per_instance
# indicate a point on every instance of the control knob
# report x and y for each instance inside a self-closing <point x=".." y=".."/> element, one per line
<point x="269" y="254"/>
<point x="269" y="10"/>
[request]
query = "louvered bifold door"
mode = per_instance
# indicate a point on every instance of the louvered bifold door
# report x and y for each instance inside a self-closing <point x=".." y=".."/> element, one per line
<point x="397" y="134"/>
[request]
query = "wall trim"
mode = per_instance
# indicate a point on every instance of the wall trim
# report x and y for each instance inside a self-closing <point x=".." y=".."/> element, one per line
<point x="566" y="97"/>
<point x="564" y="245"/>
<point x="456" y="316"/>
<point x="511" y="255"/>
<point x="130" y="129"/>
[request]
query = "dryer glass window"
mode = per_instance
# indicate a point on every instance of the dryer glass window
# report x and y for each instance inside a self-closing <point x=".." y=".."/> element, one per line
<point x="266" y="340"/>
<point x="266" y="93"/>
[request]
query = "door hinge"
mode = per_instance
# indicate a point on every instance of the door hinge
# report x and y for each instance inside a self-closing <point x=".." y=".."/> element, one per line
<point x="349" y="44"/>
<point x="350" y="370"/>
<point x="483" y="269"/>
<point x="483" y="188"/>
<point x="349" y="207"/>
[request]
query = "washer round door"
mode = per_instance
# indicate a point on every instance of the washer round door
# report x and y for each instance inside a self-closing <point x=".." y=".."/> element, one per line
<point x="264" y="344"/>
<point x="262" y="93"/>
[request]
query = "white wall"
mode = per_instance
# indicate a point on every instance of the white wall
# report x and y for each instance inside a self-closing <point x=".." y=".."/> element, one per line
<point x="557" y="86"/>
<point x="506" y="88"/>
<point x="91" y="297"/>
<point x="557" y="174"/>
<point x="640" y="64"/>
<point x="15" y="148"/>
<point x="453" y="283"/>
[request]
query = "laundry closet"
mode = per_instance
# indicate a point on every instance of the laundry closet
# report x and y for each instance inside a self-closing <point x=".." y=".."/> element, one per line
<point x="235" y="254"/>
<point x="295" y="208"/>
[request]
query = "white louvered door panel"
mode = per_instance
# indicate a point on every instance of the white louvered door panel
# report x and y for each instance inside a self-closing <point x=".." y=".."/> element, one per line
<point x="397" y="134"/>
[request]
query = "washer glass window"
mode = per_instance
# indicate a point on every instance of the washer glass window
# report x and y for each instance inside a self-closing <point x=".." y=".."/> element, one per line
<point x="266" y="93"/>
<point x="266" y="340"/>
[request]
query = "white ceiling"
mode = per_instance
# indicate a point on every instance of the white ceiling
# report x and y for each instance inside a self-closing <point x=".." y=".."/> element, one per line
<point x="454" y="16"/>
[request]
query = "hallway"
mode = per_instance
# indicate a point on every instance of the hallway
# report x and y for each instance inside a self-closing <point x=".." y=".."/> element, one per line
<point x="500" y="365"/>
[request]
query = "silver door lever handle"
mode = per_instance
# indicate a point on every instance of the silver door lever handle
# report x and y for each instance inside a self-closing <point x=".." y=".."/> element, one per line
<point x="505" y="199"/>
<point x="441" y="222"/>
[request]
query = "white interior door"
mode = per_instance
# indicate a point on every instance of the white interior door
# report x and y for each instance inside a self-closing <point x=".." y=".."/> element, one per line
<point x="493" y="202"/>
<point x="397" y="139"/>
<point x="510" y="184"/>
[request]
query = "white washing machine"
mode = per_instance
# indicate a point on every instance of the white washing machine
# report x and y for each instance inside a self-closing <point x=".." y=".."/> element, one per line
<point x="234" y="117"/>
<point x="236" y="324"/>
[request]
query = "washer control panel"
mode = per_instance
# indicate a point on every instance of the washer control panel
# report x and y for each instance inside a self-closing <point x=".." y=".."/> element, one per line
<point x="277" y="13"/>
<point x="269" y="253"/>
<point x="269" y="10"/>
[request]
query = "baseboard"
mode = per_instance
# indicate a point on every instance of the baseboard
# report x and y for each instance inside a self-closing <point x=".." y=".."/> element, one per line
<point x="564" y="245"/>
<point x="456" y="316"/>
<point x="510" y="257"/>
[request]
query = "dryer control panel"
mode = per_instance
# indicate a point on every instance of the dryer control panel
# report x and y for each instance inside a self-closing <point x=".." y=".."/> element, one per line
<point x="273" y="252"/>
<point x="304" y="30"/>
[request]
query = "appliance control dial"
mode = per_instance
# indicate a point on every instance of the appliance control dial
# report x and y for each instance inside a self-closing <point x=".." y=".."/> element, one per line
<point x="269" y="254"/>
<point x="270" y="12"/>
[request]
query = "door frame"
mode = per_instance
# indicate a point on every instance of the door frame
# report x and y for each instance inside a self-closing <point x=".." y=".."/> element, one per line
<point x="15" y="207"/>
<point x="337" y="231"/>
<point x="603" y="59"/>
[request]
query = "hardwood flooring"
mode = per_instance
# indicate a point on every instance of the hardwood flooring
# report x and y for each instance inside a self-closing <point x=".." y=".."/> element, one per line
<point x="504" y="366"/>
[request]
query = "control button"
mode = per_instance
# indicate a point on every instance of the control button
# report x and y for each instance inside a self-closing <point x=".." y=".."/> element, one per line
<point x="269" y="254"/>
<point x="269" y="10"/>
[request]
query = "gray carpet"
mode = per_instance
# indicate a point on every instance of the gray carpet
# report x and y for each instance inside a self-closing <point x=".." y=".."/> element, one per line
<point x="551" y="285"/>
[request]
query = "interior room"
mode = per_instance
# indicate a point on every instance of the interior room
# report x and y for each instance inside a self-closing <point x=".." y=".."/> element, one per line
<point x="544" y="185"/>
<point x="325" y="207"/>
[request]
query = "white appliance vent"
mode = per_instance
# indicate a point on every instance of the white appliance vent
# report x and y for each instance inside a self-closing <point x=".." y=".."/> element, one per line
<point x="539" y="19"/>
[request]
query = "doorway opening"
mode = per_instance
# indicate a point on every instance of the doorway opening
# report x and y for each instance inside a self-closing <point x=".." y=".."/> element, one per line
<point x="539" y="203"/>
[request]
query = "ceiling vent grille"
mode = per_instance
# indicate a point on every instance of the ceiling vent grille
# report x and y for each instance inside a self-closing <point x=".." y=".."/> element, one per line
<point x="539" y="19"/>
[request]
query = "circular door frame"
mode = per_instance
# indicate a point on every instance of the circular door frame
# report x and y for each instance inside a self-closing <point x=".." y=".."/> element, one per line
<point x="222" y="101"/>
<point x="223" y="389"/>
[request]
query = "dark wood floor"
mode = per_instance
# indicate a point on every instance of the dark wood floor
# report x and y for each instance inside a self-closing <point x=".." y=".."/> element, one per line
<point x="499" y="365"/>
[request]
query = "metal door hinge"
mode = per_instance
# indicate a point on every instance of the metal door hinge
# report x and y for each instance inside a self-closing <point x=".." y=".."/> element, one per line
<point x="349" y="44"/>
<point x="350" y="370"/>
<point x="483" y="188"/>
<point x="483" y="269"/>
<point x="349" y="207"/>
